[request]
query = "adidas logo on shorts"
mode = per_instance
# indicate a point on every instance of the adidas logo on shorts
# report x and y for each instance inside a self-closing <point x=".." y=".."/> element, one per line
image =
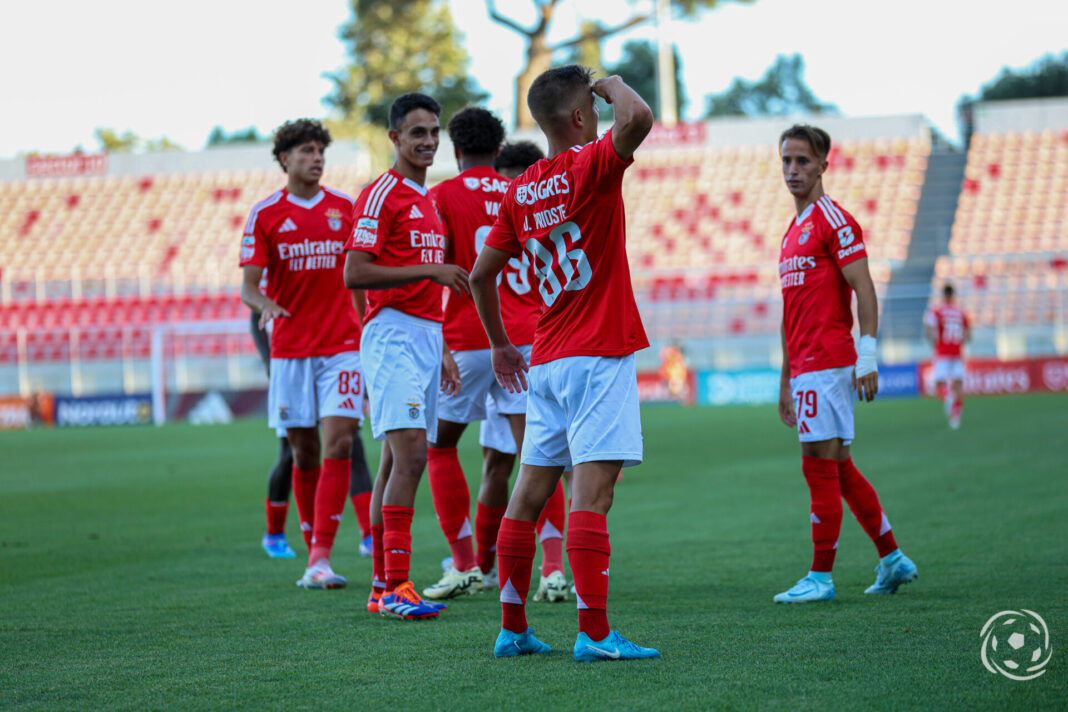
<point x="347" y="403"/>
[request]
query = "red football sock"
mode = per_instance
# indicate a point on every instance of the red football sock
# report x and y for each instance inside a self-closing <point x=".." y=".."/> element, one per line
<point x="329" y="507"/>
<point x="942" y="391"/>
<point x="515" y="560"/>
<point x="452" y="503"/>
<point x="956" y="408"/>
<point x="588" y="551"/>
<point x="276" y="516"/>
<point x="361" y="505"/>
<point x="822" y="477"/>
<point x="396" y="543"/>
<point x="378" y="560"/>
<point x="487" y="525"/>
<point x="864" y="503"/>
<point x="550" y="529"/>
<point x="304" y="486"/>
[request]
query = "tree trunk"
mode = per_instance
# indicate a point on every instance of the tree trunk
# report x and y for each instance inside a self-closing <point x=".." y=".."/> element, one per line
<point x="539" y="59"/>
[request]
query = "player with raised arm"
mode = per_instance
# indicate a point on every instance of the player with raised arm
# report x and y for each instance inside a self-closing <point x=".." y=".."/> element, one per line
<point x="397" y="252"/>
<point x="297" y="235"/>
<point x="582" y="410"/>
<point x="823" y="261"/>
<point x="468" y="205"/>
<point x="948" y="330"/>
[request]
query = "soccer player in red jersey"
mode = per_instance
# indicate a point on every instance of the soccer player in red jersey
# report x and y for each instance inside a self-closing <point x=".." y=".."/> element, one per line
<point x="297" y="235"/>
<point x="948" y="329"/>
<point x="468" y="205"/>
<point x="397" y="252"/>
<point x="567" y="213"/>
<point x="823" y="261"/>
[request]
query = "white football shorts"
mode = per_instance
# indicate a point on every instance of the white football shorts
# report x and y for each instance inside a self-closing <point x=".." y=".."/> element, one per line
<point x="823" y="402"/>
<point x="478" y="386"/>
<point x="583" y="409"/>
<point x="948" y="369"/>
<point x="303" y="391"/>
<point x="495" y="431"/>
<point x="402" y="359"/>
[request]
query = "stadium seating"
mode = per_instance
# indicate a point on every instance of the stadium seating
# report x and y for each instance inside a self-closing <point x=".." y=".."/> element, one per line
<point x="1008" y="252"/>
<point x="705" y="225"/>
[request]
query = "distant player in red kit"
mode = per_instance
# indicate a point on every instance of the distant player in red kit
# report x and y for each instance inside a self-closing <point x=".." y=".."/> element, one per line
<point x="567" y="214"/>
<point x="948" y="329"/>
<point x="297" y="235"/>
<point x="396" y="252"/>
<point x="468" y="205"/>
<point x="823" y="261"/>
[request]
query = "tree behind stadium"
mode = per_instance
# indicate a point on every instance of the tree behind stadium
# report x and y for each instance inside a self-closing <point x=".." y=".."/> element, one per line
<point x="398" y="47"/>
<point x="540" y="52"/>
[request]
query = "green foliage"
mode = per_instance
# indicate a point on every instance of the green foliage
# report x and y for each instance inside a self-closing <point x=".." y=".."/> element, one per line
<point x="112" y="141"/>
<point x="399" y="47"/>
<point x="780" y="92"/>
<point x="219" y="137"/>
<point x="1045" y="77"/>
<point x="133" y="577"/>
<point x="638" y="68"/>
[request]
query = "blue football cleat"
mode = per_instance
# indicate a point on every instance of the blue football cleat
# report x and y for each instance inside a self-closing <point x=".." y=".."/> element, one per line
<point x="807" y="590"/>
<point x="614" y="647"/>
<point x="896" y="571"/>
<point x="277" y="547"/>
<point x="366" y="546"/>
<point x="510" y="645"/>
<point x="405" y="603"/>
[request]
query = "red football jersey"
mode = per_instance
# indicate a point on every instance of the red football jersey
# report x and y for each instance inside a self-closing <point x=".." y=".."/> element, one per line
<point x="468" y="204"/>
<point x="567" y="212"/>
<point x="817" y="311"/>
<point x="951" y="322"/>
<point x="395" y="220"/>
<point x="299" y="242"/>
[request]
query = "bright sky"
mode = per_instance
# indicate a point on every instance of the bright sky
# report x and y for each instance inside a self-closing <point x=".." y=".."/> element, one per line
<point x="70" y="66"/>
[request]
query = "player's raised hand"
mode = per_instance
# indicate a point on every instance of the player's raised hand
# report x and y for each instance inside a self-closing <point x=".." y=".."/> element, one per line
<point x="604" y="87"/>
<point x="786" y="406"/>
<point x="450" y="374"/>
<point x="510" y="368"/>
<point x="269" y="312"/>
<point x="451" y="276"/>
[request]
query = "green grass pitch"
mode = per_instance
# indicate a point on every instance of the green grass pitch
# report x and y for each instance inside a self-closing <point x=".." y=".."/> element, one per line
<point x="131" y="576"/>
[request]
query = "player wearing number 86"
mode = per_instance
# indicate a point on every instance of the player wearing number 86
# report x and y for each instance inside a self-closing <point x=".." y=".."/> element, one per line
<point x="823" y="261"/>
<point x="567" y="213"/>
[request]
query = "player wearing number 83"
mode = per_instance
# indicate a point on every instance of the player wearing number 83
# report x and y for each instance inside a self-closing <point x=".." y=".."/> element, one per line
<point x="823" y="261"/>
<point x="582" y="410"/>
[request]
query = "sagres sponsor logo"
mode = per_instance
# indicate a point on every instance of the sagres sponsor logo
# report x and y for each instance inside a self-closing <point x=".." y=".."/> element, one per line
<point x="1016" y="644"/>
<point x="529" y="193"/>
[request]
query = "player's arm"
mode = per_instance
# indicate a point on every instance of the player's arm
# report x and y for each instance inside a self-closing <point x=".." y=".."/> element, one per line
<point x="450" y="372"/>
<point x="634" y="118"/>
<point x="786" y="398"/>
<point x="508" y="363"/>
<point x="362" y="272"/>
<point x="359" y="302"/>
<point x="931" y="332"/>
<point x="866" y="374"/>
<point x="256" y="300"/>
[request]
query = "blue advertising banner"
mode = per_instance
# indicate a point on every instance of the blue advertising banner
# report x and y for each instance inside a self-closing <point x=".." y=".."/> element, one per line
<point x="104" y="410"/>
<point x="749" y="387"/>
<point x="899" y="381"/>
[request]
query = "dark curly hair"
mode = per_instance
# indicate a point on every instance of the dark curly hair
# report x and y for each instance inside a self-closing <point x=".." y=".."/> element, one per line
<point x="517" y="157"/>
<point x="294" y="133"/>
<point x="475" y="132"/>
<point x="407" y="103"/>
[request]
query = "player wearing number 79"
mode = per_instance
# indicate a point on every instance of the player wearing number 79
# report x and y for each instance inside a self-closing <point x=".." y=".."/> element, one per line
<point x="582" y="409"/>
<point x="823" y="261"/>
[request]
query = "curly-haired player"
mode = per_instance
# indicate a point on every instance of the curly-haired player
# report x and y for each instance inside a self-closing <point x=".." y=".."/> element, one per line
<point x="297" y="235"/>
